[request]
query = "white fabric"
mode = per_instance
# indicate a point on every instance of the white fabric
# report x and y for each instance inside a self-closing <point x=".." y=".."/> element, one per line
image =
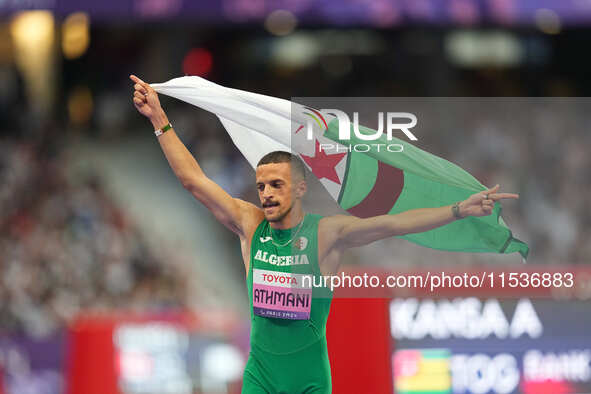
<point x="257" y="124"/>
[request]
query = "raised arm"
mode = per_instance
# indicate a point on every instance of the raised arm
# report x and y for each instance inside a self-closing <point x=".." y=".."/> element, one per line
<point x="350" y="231"/>
<point x="234" y="213"/>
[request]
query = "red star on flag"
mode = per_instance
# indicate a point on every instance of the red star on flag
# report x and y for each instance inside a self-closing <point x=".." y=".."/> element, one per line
<point x="323" y="165"/>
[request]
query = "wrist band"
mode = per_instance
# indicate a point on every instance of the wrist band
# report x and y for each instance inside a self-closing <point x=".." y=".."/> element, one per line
<point x="163" y="130"/>
<point x="455" y="209"/>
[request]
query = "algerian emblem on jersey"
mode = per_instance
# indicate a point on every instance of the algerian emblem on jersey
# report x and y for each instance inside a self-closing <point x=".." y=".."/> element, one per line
<point x="300" y="243"/>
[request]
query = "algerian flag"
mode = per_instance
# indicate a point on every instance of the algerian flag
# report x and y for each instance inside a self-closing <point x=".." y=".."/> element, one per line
<point x="363" y="183"/>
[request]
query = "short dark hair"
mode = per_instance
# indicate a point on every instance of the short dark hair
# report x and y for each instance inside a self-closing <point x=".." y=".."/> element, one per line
<point x="280" y="156"/>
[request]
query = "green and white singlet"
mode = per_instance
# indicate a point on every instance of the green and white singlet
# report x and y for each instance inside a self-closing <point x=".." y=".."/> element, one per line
<point x="288" y="313"/>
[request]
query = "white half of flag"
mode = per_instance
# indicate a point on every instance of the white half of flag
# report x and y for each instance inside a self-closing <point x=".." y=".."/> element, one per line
<point x="257" y="124"/>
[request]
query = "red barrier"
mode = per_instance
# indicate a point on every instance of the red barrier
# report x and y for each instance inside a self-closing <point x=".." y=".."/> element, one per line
<point x="91" y="366"/>
<point x="358" y="334"/>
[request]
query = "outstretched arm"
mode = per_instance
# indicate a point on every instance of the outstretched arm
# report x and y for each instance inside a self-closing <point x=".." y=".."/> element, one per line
<point x="234" y="213"/>
<point x="352" y="232"/>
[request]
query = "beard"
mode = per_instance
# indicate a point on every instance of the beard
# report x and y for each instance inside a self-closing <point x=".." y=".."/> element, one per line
<point x="280" y="216"/>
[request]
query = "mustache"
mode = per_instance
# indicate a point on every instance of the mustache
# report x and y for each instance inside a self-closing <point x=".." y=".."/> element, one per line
<point x="268" y="204"/>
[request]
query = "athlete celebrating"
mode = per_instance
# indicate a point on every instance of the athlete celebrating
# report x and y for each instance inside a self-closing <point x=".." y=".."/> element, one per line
<point x="280" y="244"/>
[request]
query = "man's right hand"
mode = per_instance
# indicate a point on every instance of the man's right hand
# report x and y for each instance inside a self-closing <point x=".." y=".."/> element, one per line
<point x="239" y="216"/>
<point x="145" y="100"/>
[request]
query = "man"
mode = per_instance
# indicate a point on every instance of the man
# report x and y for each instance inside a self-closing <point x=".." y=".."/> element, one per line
<point x="280" y="244"/>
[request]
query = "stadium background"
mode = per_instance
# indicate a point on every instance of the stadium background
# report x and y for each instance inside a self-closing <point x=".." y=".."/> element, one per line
<point x="112" y="279"/>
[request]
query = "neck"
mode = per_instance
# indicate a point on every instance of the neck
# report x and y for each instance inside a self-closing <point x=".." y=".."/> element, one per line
<point x="292" y="219"/>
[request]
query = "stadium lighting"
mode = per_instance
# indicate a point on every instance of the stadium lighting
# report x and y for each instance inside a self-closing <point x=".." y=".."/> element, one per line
<point x="547" y="21"/>
<point x="33" y="30"/>
<point x="280" y="22"/>
<point x="75" y="35"/>
<point x="33" y="35"/>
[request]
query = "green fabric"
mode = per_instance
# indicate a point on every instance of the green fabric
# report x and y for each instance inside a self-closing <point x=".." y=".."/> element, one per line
<point x="305" y="371"/>
<point x="282" y="336"/>
<point x="362" y="170"/>
<point x="288" y="356"/>
<point x="429" y="181"/>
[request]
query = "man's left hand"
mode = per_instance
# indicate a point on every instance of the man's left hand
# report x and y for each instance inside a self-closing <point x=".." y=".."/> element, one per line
<point x="482" y="204"/>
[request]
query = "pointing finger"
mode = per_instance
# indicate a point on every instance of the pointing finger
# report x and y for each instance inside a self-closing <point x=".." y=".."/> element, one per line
<point x="135" y="79"/>
<point x="500" y="196"/>
<point x="139" y="82"/>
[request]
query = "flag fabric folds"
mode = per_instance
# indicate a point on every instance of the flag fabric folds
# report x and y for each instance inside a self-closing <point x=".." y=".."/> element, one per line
<point x="365" y="184"/>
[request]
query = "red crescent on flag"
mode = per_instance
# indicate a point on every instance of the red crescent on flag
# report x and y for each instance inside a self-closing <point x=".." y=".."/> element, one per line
<point x="383" y="195"/>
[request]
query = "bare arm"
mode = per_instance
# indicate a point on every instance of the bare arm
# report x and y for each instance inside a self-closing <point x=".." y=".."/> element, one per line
<point x="352" y="232"/>
<point x="234" y="213"/>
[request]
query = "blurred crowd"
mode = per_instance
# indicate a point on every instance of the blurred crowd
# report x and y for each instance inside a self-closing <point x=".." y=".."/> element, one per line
<point x="539" y="149"/>
<point x="66" y="247"/>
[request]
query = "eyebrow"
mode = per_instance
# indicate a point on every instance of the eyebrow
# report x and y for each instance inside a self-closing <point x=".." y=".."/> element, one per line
<point x="271" y="181"/>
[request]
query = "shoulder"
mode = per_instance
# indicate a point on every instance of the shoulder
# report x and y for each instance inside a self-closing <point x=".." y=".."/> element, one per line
<point x="313" y="218"/>
<point x="335" y="222"/>
<point x="330" y="230"/>
<point x="252" y="216"/>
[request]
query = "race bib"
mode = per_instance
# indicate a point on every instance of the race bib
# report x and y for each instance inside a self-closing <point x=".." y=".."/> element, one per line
<point x="281" y="295"/>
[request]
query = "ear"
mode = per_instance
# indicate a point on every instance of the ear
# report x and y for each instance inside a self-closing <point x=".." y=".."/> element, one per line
<point x="301" y="188"/>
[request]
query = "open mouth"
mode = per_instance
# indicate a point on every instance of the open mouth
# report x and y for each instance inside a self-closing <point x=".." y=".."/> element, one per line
<point x="269" y="206"/>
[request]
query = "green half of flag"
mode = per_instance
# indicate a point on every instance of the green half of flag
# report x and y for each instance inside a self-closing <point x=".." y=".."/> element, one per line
<point x="384" y="182"/>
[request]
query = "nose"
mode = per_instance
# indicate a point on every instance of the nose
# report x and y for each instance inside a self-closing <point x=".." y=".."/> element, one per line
<point x="267" y="191"/>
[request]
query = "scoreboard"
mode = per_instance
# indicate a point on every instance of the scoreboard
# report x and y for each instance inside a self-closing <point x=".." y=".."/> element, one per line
<point x="526" y="340"/>
<point x="491" y="345"/>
